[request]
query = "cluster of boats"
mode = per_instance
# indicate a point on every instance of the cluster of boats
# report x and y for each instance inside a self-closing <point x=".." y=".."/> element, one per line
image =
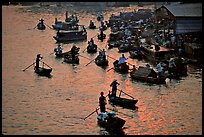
<point x="128" y="36"/>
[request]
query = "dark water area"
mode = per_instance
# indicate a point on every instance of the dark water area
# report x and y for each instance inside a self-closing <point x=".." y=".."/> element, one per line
<point x="48" y="106"/>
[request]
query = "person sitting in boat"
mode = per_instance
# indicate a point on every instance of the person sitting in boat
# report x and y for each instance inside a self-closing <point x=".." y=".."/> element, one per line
<point x="73" y="52"/>
<point x="159" y="69"/>
<point x="114" y="87"/>
<point x="102" y="102"/>
<point x="122" y="60"/>
<point x="58" y="49"/>
<point x="91" y="23"/>
<point x="110" y="116"/>
<point x="38" y="58"/>
<point x="133" y="68"/>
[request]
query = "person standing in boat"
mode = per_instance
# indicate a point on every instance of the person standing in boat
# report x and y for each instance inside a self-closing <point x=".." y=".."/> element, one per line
<point x="59" y="49"/>
<point x="103" y="54"/>
<point x="101" y="31"/>
<point x="41" y="23"/>
<point x="159" y="69"/>
<point x="38" y="58"/>
<point x="102" y="102"/>
<point x="91" y="42"/>
<point x="114" y="87"/>
<point x="73" y="52"/>
<point x="91" y="23"/>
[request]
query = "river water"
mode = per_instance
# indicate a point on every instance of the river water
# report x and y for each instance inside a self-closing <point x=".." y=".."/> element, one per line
<point x="48" y="106"/>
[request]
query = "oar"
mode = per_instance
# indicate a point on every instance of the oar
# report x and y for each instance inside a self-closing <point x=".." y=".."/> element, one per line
<point x="48" y="26"/>
<point x="90" y="62"/>
<point x="121" y="113"/>
<point x="46" y="64"/>
<point x="84" y="57"/>
<point x="29" y="66"/>
<point x="126" y="94"/>
<point x="84" y="49"/>
<point x="52" y="53"/>
<point x="35" y="27"/>
<point x="91" y="113"/>
<point x="111" y="57"/>
<point x="109" y="69"/>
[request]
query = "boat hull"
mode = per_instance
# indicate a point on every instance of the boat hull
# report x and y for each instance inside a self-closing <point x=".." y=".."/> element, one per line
<point x="123" y="102"/>
<point x="100" y="62"/>
<point x="43" y="71"/>
<point x="114" y="124"/>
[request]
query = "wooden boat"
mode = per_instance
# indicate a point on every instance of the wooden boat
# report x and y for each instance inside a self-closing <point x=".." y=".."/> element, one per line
<point x="119" y="68"/>
<point x="135" y="55"/>
<point x="68" y="57"/>
<point x="100" y="61"/>
<point x="145" y="74"/>
<point x="110" y="123"/>
<point x="43" y="71"/>
<point x="92" y="26"/>
<point x="92" y="49"/>
<point x="41" y="26"/>
<point x="71" y="35"/>
<point x="123" y="102"/>
<point x="113" y="44"/>
<point x="123" y="48"/>
<point x="101" y="37"/>
<point x="64" y="26"/>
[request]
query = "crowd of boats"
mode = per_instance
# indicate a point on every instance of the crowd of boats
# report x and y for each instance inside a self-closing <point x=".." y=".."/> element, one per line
<point x="131" y="34"/>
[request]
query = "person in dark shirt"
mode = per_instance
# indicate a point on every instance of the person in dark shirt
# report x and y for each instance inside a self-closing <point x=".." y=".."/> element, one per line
<point x="73" y="52"/>
<point x="102" y="102"/>
<point x="38" y="58"/>
<point x="114" y="87"/>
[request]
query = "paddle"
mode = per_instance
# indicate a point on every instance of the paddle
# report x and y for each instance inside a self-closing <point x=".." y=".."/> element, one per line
<point x="90" y="62"/>
<point x="91" y="113"/>
<point x="84" y="57"/>
<point x="48" y="26"/>
<point x="35" y="27"/>
<point x="84" y="49"/>
<point x="126" y="93"/>
<point x="29" y="66"/>
<point x="46" y="64"/>
<point x="111" y="57"/>
<point x="109" y="69"/>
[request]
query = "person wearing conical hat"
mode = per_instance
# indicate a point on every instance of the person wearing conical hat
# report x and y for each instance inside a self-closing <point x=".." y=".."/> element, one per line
<point x="114" y="87"/>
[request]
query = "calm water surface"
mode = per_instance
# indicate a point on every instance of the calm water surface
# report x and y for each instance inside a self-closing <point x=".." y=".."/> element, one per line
<point x="57" y="105"/>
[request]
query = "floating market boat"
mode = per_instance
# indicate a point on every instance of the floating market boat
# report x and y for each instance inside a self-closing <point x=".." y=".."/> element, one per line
<point x="92" y="49"/>
<point x="43" y="71"/>
<point x="71" y="35"/>
<point x="41" y="26"/>
<point x="120" y="68"/>
<point x="100" y="61"/>
<point x="123" y="102"/>
<point x="64" y="26"/>
<point x="148" y="75"/>
<point x="109" y="121"/>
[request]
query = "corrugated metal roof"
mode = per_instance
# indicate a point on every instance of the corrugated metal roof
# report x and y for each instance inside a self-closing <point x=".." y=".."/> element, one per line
<point x="188" y="10"/>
